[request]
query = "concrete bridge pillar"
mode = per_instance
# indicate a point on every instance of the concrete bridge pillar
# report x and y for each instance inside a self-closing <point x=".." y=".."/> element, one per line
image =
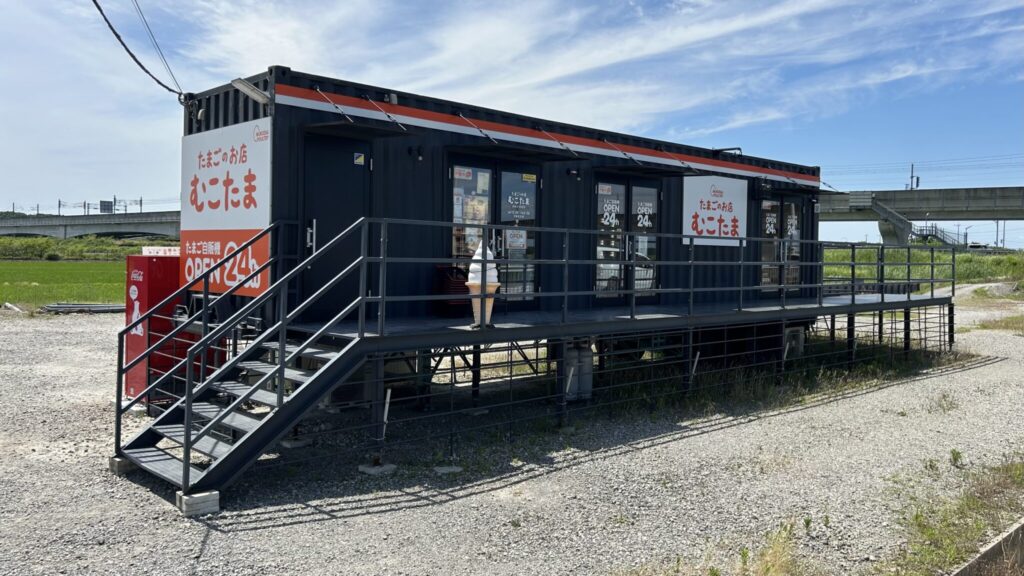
<point x="893" y="234"/>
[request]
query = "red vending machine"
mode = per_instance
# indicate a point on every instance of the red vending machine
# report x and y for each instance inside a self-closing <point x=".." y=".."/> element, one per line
<point x="150" y="280"/>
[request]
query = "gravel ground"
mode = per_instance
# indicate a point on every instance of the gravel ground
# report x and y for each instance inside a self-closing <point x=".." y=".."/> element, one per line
<point x="618" y="494"/>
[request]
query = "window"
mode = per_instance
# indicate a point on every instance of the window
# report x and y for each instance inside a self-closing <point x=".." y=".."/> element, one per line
<point x="471" y="204"/>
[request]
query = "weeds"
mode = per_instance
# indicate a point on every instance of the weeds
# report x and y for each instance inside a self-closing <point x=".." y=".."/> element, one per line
<point x="943" y="533"/>
<point x="956" y="459"/>
<point x="944" y="403"/>
<point x="1014" y="324"/>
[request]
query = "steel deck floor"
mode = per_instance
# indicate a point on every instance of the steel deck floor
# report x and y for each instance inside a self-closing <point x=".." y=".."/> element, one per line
<point x="616" y="318"/>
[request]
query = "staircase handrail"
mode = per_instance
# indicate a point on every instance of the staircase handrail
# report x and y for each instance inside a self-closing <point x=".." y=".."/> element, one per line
<point x="204" y="278"/>
<point x="279" y="289"/>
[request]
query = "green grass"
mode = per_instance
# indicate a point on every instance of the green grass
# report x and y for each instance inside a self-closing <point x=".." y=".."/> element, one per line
<point x="33" y="284"/>
<point x="82" y="248"/>
<point x="1012" y="323"/>
<point x="969" y="267"/>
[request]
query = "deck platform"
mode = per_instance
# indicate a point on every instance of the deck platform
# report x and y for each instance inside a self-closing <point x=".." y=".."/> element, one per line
<point x="409" y="333"/>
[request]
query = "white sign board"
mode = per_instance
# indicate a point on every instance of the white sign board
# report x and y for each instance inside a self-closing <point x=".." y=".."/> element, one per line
<point x="225" y="201"/>
<point x="714" y="209"/>
<point x="161" y="251"/>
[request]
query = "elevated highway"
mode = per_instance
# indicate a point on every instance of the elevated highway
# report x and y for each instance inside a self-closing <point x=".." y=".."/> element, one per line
<point x="895" y="210"/>
<point x="134" y="224"/>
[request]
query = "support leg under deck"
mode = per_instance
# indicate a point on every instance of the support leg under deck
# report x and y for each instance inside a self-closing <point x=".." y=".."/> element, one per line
<point x="952" y="325"/>
<point x="851" y="338"/>
<point x="906" y="332"/>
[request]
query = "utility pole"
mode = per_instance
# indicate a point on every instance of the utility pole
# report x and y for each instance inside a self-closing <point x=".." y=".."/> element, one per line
<point x="997" y="234"/>
<point x="140" y="204"/>
<point x="58" y="206"/>
<point x="1004" y="233"/>
<point x="915" y="182"/>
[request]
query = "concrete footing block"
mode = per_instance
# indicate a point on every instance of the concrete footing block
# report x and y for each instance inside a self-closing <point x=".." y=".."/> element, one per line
<point x="120" y="466"/>
<point x="378" y="469"/>
<point x="198" y="504"/>
<point x="445" y="470"/>
<point x="291" y="443"/>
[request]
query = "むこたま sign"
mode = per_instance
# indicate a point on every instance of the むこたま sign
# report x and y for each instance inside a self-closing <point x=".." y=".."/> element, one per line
<point x="715" y="209"/>
<point x="225" y="201"/>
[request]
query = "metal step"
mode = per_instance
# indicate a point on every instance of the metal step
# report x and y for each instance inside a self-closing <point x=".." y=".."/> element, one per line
<point x="315" y="352"/>
<point x="161" y="463"/>
<point x="235" y="420"/>
<point x="207" y="445"/>
<point x="292" y="374"/>
<point x="238" y="389"/>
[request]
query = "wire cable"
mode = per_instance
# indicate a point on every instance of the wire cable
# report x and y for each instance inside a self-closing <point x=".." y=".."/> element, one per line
<point x="130" y="53"/>
<point x="156" y="45"/>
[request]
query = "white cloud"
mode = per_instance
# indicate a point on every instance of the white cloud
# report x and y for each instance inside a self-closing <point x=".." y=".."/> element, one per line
<point x="87" y="123"/>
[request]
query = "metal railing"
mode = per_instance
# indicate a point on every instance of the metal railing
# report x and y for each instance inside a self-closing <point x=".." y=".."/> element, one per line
<point x="182" y="324"/>
<point x="941" y="234"/>
<point x="796" y="273"/>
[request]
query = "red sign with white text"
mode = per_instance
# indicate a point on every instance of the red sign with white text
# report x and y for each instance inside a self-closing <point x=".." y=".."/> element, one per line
<point x="201" y="249"/>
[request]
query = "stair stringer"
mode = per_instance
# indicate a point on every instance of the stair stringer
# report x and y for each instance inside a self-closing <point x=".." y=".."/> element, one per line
<point x="276" y="425"/>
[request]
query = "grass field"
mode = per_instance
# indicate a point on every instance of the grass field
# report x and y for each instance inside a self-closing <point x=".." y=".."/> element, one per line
<point x="969" y="267"/>
<point x="81" y="248"/>
<point x="30" y="284"/>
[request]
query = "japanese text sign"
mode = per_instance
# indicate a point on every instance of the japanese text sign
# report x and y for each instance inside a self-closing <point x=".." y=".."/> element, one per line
<point x="225" y="201"/>
<point x="715" y="209"/>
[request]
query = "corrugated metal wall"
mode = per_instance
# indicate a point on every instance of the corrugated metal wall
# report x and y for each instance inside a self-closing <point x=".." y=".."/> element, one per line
<point x="404" y="186"/>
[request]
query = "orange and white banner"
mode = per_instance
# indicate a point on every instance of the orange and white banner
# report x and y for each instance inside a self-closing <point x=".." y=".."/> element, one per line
<point x="201" y="249"/>
<point x="225" y="201"/>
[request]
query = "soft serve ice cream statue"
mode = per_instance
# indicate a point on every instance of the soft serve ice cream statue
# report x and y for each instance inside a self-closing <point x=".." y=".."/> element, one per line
<point x="475" y="281"/>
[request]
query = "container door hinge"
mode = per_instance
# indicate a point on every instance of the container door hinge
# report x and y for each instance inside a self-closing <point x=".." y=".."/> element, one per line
<point x="371" y="163"/>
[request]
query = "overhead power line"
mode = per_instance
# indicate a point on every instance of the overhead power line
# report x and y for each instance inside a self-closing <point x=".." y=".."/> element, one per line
<point x="974" y="159"/>
<point x="130" y="53"/>
<point x="156" y="45"/>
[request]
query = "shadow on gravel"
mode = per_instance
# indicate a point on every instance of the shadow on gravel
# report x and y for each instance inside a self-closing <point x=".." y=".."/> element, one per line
<point x="324" y="488"/>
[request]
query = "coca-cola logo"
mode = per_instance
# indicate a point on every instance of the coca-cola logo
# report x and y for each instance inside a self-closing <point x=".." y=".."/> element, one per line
<point x="136" y="275"/>
<point x="260" y="135"/>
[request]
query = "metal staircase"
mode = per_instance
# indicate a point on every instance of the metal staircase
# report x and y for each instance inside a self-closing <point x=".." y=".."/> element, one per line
<point x="906" y="229"/>
<point x="243" y="385"/>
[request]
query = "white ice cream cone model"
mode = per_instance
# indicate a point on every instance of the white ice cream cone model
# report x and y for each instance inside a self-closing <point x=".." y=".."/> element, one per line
<point x="475" y="284"/>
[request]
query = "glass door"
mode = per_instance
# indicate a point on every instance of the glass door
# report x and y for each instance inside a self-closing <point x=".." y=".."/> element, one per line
<point x="644" y="218"/>
<point x="471" y="204"/>
<point x="769" y="233"/>
<point x="791" y="245"/>
<point x="611" y="221"/>
<point x="476" y="201"/>
<point x="621" y="208"/>
<point x="518" y="207"/>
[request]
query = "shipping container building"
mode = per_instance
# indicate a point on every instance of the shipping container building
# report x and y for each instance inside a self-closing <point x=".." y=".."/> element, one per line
<point x="608" y="247"/>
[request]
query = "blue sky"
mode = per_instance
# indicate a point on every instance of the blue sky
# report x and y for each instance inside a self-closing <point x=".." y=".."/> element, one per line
<point x="860" y="88"/>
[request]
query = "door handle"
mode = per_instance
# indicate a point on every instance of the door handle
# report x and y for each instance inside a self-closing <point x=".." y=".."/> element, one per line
<point x="311" y="235"/>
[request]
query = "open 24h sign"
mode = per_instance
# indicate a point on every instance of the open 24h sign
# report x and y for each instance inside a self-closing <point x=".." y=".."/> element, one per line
<point x="225" y="201"/>
<point x="715" y="209"/>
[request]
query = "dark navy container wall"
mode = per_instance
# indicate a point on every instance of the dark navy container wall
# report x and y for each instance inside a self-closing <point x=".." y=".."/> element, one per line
<point x="411" y="179"/>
